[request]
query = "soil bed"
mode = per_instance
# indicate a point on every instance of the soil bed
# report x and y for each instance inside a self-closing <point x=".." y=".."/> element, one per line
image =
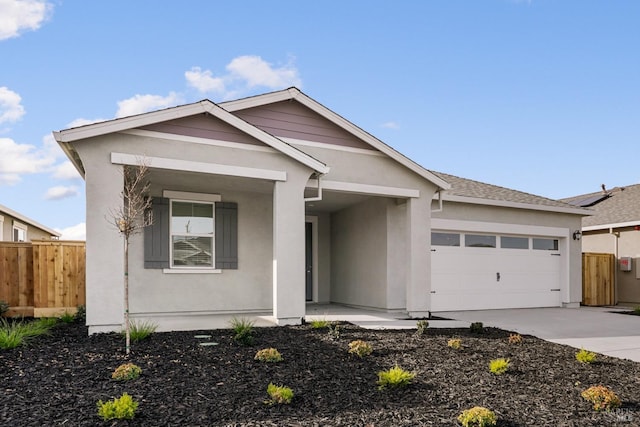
<point x="57" y="380"/>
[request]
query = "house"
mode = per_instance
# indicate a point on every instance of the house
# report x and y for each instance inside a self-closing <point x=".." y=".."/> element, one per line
<point x="614" y="228"/>
<point x="271" y="202"/>
<point x="15" y="227"/>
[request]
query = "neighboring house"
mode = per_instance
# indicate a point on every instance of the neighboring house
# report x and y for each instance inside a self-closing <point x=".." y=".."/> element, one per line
<point x="269" y="202"/>
<point x="614" y="228"/>
<point x="15" y="227"/>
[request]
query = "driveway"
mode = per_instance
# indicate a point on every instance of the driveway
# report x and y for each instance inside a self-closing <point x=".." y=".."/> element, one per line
<point x="598" y="329"/>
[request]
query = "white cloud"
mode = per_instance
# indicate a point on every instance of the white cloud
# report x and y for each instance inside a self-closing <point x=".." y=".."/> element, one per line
<point x="66" y="170"/>
<point x="139" y="104"/>
<point x="10" y="108"/>
<point x="17" y="16"/>
<point x="204" y="81"/>
<point x="244" y="73"/>
<point x="61" y="192"/>
<point x="18" y="159"/>
<point x="74" y="232"/>
<point x="82" y="122"/>
<point x="391" y="125"/>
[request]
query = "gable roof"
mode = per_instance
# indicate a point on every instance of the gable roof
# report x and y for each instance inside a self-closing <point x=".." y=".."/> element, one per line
<point x="618" y="207"/>
<point x="65" y="137"/>
<point x="295" y="94"/>
<point x="28" y="221"/>
<point x="469" y="191"/>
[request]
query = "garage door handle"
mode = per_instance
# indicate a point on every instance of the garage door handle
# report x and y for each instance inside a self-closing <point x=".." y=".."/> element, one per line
<point x="555" y="290"/>
<point x="555" y="254"/>
<point x="497" y="277"/>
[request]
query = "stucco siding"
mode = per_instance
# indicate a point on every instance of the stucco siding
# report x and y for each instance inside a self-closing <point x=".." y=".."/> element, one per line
<point x="359" y="254"/>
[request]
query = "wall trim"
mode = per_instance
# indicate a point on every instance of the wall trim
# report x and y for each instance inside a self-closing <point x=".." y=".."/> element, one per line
<point x="496" y="227"/>
<point x="185" y="195"/>
<point x="353" y="187"/>
<point x="327" y="146"/>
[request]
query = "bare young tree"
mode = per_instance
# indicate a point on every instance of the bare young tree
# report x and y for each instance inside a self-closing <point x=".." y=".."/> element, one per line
<point x="129" y="219"/>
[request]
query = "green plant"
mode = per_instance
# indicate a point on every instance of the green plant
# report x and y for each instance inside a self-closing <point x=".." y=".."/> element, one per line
<point x="602" y="398"/>
<point x="13" y="334"/>
<point x="422" y="326"/>
<point x="334" y="331"/>
<point x="636" y="310"/>
<point x="515" y="339"/>
<point x="268" y="355"/>
<point x="141" y="330"/>
<point x="585" y="356"/>
<point x="476" y="328"/>
<point x="279" y="394"/>
<point x="319" y="323"/>
<point x="455" y="343"/>
<point x="67" y="317"/>
<point x="81" y="314"/>
<point x="395" y="377"/>
<point x="477" y="417"/>
<point x="243" y="330"/>
<point x="4" y="308"/>
<point x="120" y="408"/>
<point x="126" y="371"/>
<point x="360" y="348"/>
<point x="499" y="366"/>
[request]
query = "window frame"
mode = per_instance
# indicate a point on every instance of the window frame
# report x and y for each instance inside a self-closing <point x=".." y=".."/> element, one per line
<point x="201" y="198"/>
<point x="18" y="226"/>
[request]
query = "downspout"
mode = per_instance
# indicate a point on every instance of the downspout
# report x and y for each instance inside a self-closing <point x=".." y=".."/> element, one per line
<point x="440" y="206"/>
<point x="615" y="235"/>
<point x="317" y="198"/>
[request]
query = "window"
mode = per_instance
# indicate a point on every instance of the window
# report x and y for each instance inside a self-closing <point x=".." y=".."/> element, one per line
<point x="545" y="244"/>
<point x="479" y="241"/>
<point x="19" y="232"/>
<point x="445" y="239"/>
<point x="192" y="234"/>
<point x="508" y="242"/>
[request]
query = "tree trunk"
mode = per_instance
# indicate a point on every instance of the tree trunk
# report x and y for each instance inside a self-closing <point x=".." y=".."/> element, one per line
<point x="127" y="325"/>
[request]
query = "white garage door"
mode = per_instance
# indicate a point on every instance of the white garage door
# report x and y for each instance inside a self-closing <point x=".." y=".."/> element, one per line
<point x="474" y="271"/>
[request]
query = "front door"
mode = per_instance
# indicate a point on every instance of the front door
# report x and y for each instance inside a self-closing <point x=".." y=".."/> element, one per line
<point x="308" y="259"/>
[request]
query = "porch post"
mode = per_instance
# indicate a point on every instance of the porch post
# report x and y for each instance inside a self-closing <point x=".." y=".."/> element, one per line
<point x="418" y="257"/>
<point x="288" y="249"/>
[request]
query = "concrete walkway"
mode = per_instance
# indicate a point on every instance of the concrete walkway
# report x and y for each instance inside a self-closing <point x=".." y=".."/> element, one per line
<point x="598" y="329"/>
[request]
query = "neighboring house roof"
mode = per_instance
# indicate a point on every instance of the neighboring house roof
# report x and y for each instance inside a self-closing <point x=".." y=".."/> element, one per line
<point x="618" y="207"/>
<point x="469" y="191"/>
<point x="27" y="221"/>
<point x="65" y="137"/>
<point x="295" y="94"/>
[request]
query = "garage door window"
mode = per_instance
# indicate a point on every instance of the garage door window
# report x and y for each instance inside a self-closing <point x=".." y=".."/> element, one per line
<point x="445" y="239"/>
<point x="479" y="241"/>
<point x="545" y="244"/>
<point x="508" y="242"/>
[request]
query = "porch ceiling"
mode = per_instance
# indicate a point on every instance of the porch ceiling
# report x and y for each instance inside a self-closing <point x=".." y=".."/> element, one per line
<point x="333" y="201"/>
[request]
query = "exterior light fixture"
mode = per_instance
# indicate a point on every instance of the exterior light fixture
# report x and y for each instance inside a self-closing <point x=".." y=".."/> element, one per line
<point x="577" y="235"/>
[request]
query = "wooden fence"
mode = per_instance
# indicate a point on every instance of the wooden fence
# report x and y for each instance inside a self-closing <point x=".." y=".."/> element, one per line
<point x="42" y="278"/>
<point x="598" y="279"/>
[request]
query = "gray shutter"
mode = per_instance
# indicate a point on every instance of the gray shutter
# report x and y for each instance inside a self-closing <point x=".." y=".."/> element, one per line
<point x="156" y="236"/>
<point x="226" y="236"/>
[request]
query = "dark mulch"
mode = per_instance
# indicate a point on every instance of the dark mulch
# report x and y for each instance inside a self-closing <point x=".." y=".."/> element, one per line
<point x="57" y="380"/>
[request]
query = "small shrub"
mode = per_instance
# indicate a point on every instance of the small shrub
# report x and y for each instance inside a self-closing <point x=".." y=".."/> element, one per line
<point x="81" y="314"/>
<point x="515" y="339"/>
<point x="243" y="330"/>
<point x="455" y="343"/>
<point x="4" y="308"/>
<point x="67" y="317"/>
<point x="422" y="326"/>
<point x="268" y="355"/>
<point x="395" y="377"/>
<point x="319" y="323"/>
<point x="334" y="331"/>
<point x="126" y="372"/>
<point x="602" y="398"/>
<point x="477" y="417"/>
<point x="279" y="394"/>
<point x="123" y="407"/>
<point x="10" y="335"/>
<point x="476" y="328"/>
<point x="585" y="356"/>
<point x="636" y="310"/>
<point x="499" y="366"/>
<point x="360" y="348"/>
<point x="141" y="330"/>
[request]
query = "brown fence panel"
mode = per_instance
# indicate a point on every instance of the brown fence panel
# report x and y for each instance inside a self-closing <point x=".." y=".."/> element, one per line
<point x="42" y="278"/>
<point x="598" y="279"/>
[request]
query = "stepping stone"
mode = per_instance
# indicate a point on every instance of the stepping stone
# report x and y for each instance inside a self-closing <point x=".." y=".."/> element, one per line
<point x="202" y="337"/>
<point x="208" y="344"/>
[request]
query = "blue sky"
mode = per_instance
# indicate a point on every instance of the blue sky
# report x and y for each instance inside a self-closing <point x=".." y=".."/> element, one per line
<point x="542" y="96"/>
